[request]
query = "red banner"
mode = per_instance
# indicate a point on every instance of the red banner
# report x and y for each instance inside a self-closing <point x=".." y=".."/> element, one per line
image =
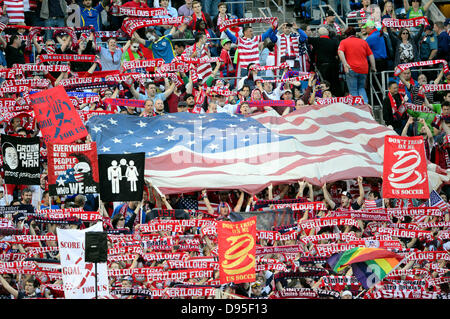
<point x="237" y="249"/>
<point x="58" y="120"/>
<point x="405" y="169"/>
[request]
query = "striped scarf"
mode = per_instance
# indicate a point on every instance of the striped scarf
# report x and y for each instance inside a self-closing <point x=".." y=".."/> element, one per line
<point x="336" y="26"/>
<point x="289" y="46"/>
<point x="202" y="70"/>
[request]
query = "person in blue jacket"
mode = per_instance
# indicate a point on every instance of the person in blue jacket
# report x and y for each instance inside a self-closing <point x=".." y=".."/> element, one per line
<point x="91" y="15"/>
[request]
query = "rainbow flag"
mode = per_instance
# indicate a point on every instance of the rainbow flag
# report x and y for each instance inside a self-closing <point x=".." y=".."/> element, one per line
<point x="370" y="265"/>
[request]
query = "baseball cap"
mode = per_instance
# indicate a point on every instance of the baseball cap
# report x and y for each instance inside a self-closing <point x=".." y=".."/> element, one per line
<point x="346" y="293"/>
<point x="345" y="193"/>
<point x="329" y="13"/>
<point x="447" y="22"/>
<point x="225" y="41"/>
<point x="369" y="24"/>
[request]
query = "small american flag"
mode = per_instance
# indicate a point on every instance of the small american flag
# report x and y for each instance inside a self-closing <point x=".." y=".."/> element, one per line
<point x="437" y="201"/>
<point x="434" y="201"/>
<point x="370" y="204"/>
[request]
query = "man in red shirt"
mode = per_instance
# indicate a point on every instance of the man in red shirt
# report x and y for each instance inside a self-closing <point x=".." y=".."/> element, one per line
<point x="353" y="53"/>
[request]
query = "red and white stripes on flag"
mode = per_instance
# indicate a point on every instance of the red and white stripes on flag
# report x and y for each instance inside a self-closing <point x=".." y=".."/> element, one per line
<point x="317" y="143"/>
<point x="370" y="204"/>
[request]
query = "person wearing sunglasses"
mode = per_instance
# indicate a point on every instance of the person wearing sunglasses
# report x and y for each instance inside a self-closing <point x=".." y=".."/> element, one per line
<point x="133" y="53"/>
<point x="406" y="46"/>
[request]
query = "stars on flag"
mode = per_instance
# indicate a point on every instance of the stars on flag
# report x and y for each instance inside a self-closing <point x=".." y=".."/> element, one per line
<point x="112" y="121"/>
<point x="61" y="181"/>
<point x="142" y="124"/>
<point x="96" y="129"/>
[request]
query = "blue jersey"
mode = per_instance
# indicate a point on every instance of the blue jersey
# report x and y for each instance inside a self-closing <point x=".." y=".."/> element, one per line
<point x="162" y="48"/>
<point x="91" y="16"/>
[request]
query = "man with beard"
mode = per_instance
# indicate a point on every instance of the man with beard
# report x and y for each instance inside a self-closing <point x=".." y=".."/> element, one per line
<point x="25" y="204"/>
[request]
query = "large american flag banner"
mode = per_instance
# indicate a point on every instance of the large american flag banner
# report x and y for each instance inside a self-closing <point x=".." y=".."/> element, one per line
<point x="188" y="152"/>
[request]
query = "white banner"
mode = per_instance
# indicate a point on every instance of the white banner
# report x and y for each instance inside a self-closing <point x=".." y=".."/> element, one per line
<point x="79" y="276"/>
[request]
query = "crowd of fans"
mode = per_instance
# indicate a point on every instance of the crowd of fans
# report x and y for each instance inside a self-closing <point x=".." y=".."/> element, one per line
<point x="329" y="55"/>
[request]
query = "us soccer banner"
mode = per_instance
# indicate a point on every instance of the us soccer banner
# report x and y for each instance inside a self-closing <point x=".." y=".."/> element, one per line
<point x="58" y="119"/>
<point x="21" y="160"/>
<point x="121" y="176"/>
<point x="237" y="250"/>
<point x="405" y="168"/>
<point x="77" y="275"/>
<point x="72" y="169"/>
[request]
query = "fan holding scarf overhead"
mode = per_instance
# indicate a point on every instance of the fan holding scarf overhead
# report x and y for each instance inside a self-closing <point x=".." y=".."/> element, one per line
<point x="132" y="53"/>
<point x="157" y="48"/>
<point x="394" y="110"/>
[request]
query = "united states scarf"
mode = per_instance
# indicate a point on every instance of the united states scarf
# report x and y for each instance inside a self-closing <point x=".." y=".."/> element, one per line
<point x="188" y="152"/>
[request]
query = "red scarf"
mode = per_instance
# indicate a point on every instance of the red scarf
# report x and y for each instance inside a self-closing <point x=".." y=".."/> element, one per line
<point x="396" y="111"/>
<point x="193" y="23"/>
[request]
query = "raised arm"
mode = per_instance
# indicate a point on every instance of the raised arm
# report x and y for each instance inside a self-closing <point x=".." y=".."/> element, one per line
<point x="406" y="5"/>
<point x="170" y="89"/>
<point x="164" y="200"/>
<point x="133" y="91"/>
<point x="439" y="77"/>
<point x="405" y="128"/>
<point x="207" y="203"/>
<point x="427" y="130"/>
<point x="37" y="46"/>
<point x="231" y="36"/>
<point x="238" y="206"/>
<point x="428" y="5"/>
<point x="327" y="196"/>
<point x="360" y="199"/>
<point x="8" y="287"/>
